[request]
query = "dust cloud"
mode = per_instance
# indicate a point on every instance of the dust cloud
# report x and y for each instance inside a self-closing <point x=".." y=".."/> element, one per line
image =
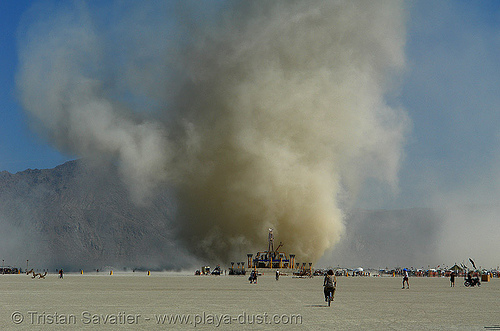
<point x="261" y="114"/>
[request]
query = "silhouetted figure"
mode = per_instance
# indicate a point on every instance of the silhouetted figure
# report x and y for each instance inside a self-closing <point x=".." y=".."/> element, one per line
<point x="60" y="273"/>
<point x="452" y="279"/>
<point x="253" y="277"/>
<point x="330" y="283"/>
<point x="405" y="279"/>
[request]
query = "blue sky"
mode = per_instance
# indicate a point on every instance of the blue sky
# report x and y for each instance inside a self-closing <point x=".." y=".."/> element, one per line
<point x="450" y="91"/>
<point x="20" y="148"/>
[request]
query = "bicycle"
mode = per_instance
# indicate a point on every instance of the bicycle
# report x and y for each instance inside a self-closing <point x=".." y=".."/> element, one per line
<point x="329" y="297"/>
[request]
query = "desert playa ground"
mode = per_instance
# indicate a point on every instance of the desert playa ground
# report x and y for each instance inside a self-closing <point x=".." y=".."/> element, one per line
<point x="161" y="301"/>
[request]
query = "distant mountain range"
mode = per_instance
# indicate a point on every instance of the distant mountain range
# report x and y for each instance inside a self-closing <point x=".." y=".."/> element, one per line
<point x="77" y="216"/>
<point x="80" y="216"/>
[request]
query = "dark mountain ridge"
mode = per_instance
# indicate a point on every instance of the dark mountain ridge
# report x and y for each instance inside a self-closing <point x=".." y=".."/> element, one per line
<point x="80" y="216"/>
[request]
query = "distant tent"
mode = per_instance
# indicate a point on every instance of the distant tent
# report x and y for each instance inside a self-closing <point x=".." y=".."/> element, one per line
<point x="456" y="267"/>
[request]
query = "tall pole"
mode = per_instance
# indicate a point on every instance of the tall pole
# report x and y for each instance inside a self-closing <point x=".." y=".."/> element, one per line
<point x="249" y="262"/>
<point x="271" y="241"/>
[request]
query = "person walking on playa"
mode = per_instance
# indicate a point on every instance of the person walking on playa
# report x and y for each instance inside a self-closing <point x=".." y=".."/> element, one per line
<point x="452" y="279"/>
<point x="405" y="279"/>
<point x="60" y="273"/>
<point x="253" y="277"/>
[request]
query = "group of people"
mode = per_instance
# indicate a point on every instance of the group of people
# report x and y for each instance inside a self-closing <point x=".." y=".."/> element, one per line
<point x="469" y="281"/>
<point x="330" y="281"/>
